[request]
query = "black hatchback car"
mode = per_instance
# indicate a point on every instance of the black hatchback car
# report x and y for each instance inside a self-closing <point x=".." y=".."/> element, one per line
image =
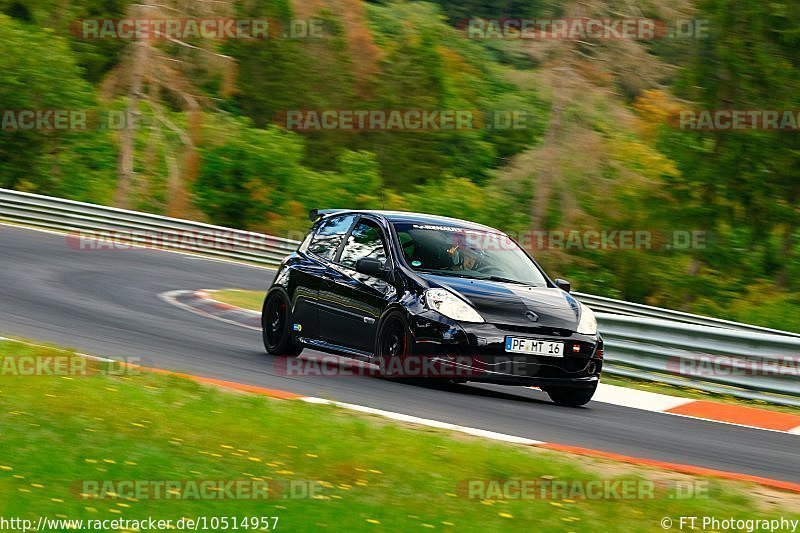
<point x="427" y="296"/>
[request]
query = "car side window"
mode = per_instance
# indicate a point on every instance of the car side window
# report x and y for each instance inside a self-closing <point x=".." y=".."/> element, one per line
<point x="329" y="235"/>
<point x="364" y="241"/>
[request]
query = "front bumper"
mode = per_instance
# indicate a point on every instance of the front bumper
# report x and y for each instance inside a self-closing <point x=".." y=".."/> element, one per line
<point x="476" y="352"/>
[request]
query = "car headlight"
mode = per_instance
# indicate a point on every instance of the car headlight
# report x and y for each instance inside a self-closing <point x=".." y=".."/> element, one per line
<point x="451" y="306"/>
<point x="587" y="325"/>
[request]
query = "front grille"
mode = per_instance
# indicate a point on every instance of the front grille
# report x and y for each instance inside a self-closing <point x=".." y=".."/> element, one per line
<point x="535" y="330"/>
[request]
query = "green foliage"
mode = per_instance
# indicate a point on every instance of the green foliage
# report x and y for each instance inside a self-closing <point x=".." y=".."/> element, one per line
<point x="94" y="56"/>
<point x="743" y="179"/>
<point x="246" y="176"/>
<point x="38" y="72"/>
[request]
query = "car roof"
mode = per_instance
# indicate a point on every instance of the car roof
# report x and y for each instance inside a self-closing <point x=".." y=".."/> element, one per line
<point x="418" y="218"/>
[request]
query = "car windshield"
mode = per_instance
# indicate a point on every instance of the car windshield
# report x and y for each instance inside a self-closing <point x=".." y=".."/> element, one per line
<point x="468" y="253"/>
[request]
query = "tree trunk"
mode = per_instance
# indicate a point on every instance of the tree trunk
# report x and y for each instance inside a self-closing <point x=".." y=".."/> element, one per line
<point x="127" y="135"/>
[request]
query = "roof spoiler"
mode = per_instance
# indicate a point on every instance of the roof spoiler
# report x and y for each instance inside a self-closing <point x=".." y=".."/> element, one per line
<point x="315" y="214"/>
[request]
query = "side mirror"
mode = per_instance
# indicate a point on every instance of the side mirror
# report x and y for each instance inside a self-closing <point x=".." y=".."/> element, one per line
<point x="563" y="284"/>
<point x="370" y="267"/>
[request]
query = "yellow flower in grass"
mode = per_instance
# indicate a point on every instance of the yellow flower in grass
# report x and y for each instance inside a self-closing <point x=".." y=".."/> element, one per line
<point x="6" y="468"/>
<point x="506" y="515"/>
<point x="373" y="521"/>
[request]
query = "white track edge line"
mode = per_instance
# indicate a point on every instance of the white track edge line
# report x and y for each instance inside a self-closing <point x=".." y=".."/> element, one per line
<point x="427" y="422"/>
<point x="170" y="298"/>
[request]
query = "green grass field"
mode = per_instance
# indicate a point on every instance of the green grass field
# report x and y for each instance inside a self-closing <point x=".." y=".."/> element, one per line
<point x="252" y="300"/>
<point x="368" y="474"/>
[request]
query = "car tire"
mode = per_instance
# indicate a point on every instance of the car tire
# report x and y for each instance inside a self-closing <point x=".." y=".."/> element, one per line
<point x="393" y="340"/>
<point x="275" y="324"/>
<point x="571" y="396"/>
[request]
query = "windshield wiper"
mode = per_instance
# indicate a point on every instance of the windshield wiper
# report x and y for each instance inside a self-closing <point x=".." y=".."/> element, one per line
<point x="508" y="280"/>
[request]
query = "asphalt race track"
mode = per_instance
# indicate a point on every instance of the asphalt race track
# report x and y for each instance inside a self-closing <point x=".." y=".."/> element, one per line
<point x="106" y="303"/>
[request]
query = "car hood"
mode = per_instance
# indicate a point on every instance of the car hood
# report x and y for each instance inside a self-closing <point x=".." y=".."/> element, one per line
<point x="510" y="303"/>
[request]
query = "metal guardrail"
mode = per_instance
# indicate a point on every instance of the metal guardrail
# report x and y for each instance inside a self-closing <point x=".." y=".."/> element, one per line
<point x="91" y="224"/>
<point x="758" y="366"/>
<point x="602" y="304"/>
<point x="642" y="341"/>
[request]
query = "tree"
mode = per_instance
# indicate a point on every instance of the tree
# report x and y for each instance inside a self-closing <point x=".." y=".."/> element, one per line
<point x="38" y="73"/>
<point x="163" y="74"/>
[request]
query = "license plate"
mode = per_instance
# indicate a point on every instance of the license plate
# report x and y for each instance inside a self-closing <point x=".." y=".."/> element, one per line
<point x="535" y="347"/>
